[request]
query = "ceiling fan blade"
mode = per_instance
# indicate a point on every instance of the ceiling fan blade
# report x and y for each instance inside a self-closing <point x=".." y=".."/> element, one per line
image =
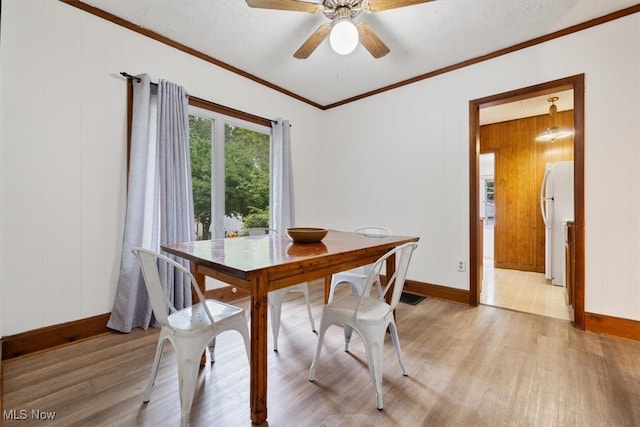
<point x="294" y="5"/>
<point x="371" y="41"/>
<point x="313" y="42"/>
<point x="380" y="5"/>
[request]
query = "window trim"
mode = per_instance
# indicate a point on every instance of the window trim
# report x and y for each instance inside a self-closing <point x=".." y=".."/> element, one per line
<point x="228" y="111"/>
<point x="218" y="188"/>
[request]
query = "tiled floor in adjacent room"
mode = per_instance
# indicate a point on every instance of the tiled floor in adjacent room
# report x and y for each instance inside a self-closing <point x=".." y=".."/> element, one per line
<point x="520" y="290"/>
<point x="523" y="291"/>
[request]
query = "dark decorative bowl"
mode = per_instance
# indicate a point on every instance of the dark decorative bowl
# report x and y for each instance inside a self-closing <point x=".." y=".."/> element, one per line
<point x="306" y="234"/>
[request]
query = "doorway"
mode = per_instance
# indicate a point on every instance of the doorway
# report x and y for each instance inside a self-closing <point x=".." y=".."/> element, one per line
<point x="517" y="240"/>
<point x="575" y="83"/>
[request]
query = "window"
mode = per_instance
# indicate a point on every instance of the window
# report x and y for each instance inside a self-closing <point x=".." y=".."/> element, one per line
<point x="490" y="190"/>
<point x="230" y="173"/>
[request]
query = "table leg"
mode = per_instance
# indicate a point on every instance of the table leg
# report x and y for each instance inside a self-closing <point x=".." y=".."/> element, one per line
<point x="200" y="279"/>
<point x="390" y="269"/>
<point x="327" y="288"/>
<point x="258" y="362"/>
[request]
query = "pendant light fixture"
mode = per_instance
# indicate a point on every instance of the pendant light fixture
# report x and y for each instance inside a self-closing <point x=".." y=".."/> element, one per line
<point x="553" y="133"/>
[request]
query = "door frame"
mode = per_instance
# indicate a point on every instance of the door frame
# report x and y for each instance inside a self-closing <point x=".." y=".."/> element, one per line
<point x="576" y="83"/>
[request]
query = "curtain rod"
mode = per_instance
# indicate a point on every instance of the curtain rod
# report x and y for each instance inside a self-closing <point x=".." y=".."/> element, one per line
<point x="130" y="77"/>
<point x="215" y="107"/>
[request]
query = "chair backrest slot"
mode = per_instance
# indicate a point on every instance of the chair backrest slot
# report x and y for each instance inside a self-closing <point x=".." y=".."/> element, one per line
<point x="396" y="281"/>
<point x="151" y="263"/>
<point x="373" y="231"/>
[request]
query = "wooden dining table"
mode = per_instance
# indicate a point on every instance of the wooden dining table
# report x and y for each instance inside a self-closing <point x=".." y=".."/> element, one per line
<point x="260" y="264"/>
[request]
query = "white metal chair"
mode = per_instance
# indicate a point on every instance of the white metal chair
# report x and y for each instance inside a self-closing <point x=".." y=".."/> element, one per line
<point x="370" y="317"/>
<point x="189" y="330"/>
<point x="357" y="277"/>
<point x="276" y="297"/>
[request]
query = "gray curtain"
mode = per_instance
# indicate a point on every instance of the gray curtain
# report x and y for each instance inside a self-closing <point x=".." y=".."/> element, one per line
<point x="177" y="223"/>
<point x="159" y="198"/>
<point x="281" y="189"/>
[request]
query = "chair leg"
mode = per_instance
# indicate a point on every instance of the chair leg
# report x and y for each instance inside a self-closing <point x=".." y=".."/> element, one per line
<point x="275" y="310"/>
<point x="396" y="345"/>
<point x="333" y="288"/>
<point x="316" y="356"/>
<point x="305" y="291"/>
<point x="154" y="368"/>
<point x="187" y="380"/>
<point x="374" y="341"/>
<point x="379" y="288"/>
<point x="240" y="324"/>
<point x="188" y="368"/>
<point x="348" y="331"/>
<point x="212" y="350"/>
<point x="356" y="288"/>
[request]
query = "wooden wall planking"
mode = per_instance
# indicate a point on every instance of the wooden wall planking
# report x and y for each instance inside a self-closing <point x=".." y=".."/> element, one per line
<point x="519" y="168"/>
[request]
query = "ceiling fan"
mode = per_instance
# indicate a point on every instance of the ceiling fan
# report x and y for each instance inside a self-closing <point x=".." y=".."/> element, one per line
<point x="344" y="35"/>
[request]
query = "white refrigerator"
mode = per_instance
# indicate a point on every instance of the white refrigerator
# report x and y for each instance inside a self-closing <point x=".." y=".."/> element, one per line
<point x="556" y="205"/>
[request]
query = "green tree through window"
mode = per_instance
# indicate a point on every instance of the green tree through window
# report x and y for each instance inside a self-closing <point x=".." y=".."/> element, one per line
<point x="247" y="172"/>
<point x="200" y="135"/>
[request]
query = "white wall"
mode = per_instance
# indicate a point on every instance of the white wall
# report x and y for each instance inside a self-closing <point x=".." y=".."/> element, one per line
<point x="399" y="159"/>
<point x="63" y="153"/>
<point x="412" y="145"/>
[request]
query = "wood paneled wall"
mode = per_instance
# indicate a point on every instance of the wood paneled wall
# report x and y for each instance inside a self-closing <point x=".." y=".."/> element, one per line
<point x="519" y="168"/>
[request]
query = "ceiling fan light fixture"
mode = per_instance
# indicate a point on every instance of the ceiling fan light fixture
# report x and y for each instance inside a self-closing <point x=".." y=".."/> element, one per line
<point x="343" y="37"/>
<point x="553" y="133"/>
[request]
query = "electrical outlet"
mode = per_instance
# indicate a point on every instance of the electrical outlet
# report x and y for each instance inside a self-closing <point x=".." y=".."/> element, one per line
<point x="460" y="265"/>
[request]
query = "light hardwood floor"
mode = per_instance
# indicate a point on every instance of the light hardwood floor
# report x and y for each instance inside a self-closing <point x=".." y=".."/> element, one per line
<point x="467" y="367"/>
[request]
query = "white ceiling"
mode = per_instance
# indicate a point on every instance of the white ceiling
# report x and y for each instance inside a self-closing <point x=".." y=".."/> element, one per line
<point x="422" y="38"/>
<point x="529" y="107"/>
